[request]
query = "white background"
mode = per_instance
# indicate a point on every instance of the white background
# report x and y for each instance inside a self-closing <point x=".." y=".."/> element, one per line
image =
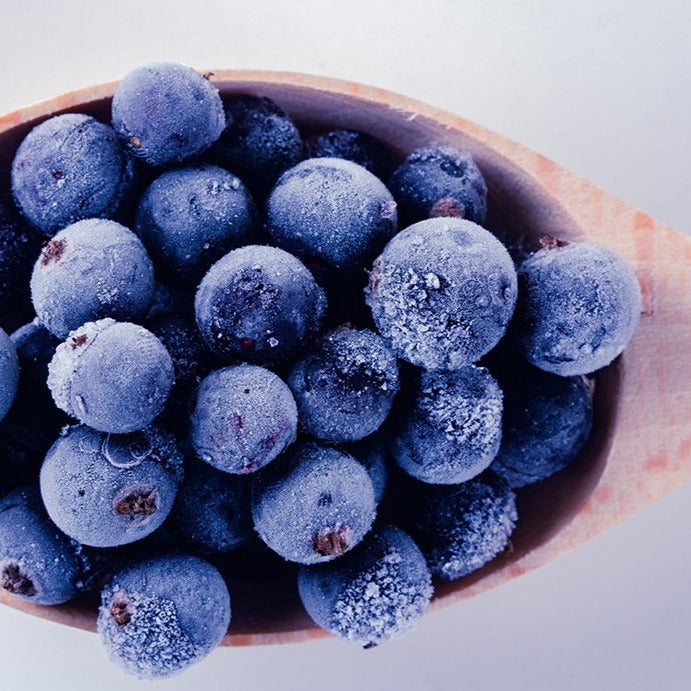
<point x="601" y="87"/>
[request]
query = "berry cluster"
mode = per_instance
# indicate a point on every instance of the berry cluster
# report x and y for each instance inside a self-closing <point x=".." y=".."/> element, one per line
<point x="243" y="338"/>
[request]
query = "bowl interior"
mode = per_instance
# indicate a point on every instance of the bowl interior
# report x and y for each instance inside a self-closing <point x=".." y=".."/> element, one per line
<point x="265" y="603"/>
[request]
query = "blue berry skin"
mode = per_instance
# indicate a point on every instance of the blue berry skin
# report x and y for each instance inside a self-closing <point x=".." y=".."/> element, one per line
<point x="374" y="454"/>
<point x="92" y="269"/>
<point x="107" y="490"/>
<point x="165" y="113"/>
<point x="439" y="181"/>
<point x="38" y="563"/>
<point x="344" y="387"/>
<point x="377" y="592"/>
<point x="460" y="528"/>
<point x="579" y="305"/>
<point x="259" y="142"/>
<point x="191" y="363"/>
<point x="258" y="304"/>
<point x="9" y="373"/>
<point x="244" y="417"/>
<point x="352" y="145"/>
<point x="68" y="168"/>
<point x="333" y="211"/>
<point x="160" y="615"/>
<point x="449" y="428"/>
<point x="546" y="423"/>
<point x="211" y="513"/>
<point x="112" y="376"/>
<point x="189" y="218"/>
<point x="442" y="293"/>
<point x="19" y="246"/>
<point x="34" y="420"/>
<point x="313" y="505"/>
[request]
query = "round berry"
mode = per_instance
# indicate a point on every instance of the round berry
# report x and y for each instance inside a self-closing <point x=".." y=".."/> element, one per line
<point x="333" y="211"/>
<point x="112" y="376"/>
<point x="68" y="168"/>
<point x="165" y="113"/>
<point x="258" y="304"/>
<point x="92" y="269"/>
<point x="579" y="305"/>
<point x="245" y="416"/>
<point x="449" y="427"/>
<point x="442" y="293"/>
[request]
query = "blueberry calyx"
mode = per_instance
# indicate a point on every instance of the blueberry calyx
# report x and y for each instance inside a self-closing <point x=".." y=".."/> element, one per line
<point x="120" y="611"/>
<point x="14" y="581"/>
<point x="447" y="207"/>
<point x="141" y="503"/>
<point x="53" y="252"/>
<point x="332" y="542"/>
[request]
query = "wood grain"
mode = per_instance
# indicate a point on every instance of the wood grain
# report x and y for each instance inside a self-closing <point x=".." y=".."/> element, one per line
<point x="641" y="446"/>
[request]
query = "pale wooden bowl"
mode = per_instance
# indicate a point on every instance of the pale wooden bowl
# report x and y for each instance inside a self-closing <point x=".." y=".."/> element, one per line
<point x="641" y="445"/>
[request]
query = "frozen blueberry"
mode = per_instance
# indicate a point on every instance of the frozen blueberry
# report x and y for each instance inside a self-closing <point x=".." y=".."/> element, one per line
<point x="244" y="417"/>
<point x="212" y="510"/>
<point x="546" y="423"/>
<point x="106" y="490"/>
<point x="9" y="373"/>
<point x="191" y="363"/>
<point x="333" y="211"/>
<point x="258" y="304"/>
<point x="345" y="385"/>
<point x="355" y="146"/>
<point x="442" y="293"/>
<point x="112" y="376"/>
<point x="166" y="113"/>
<point x="439" y="181"/>
<point x="314" y="504"/>
<point x="579" y="305"/>
<point x="448" y="428"/>
<point x="462" y="527"/>
<point x="377" y="592"/>
<point x="19" y="246"/>
<point x="259" y="142"/>
<point x="92" y="269"/>
<point x="374" y="455"/>
<point x="190" y="217"/>
<point x="68" y="168"/>
<point x="38" y="563"/>
<point x="34" y="420"/>
<point x="160" y="615"/>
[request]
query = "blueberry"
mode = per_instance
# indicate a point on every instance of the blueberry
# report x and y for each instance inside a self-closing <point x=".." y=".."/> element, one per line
<point x="437" y="181"/>
<point x="259" y="304"/>
<point x="352" y="145"/>
<point x="19" y="246"/>
<point x="112" y="376"/>
<point x="442" y="293"/>
<point x="374" y="454"/>
<point x="38" y="563"/>
<point x="34" y="420"/>
<point x="160" y="615"/>
<point x="313" y="504"/>
<point x="212" y="510"/>
<point x="460" y="528"/>
<point x="68" y="168"/>
<point x="345" y="385"/>
<point x="9" y="373"/>
<point x="190" y="217"/>
<point x="377" y="592"/>
<point x="106" y="490"/>
<point x="333" y="211"/>
<point x="191" y="363"/>
<point x="165" y="113"/>
<point x="579" y="305"/>
<point x="449" y="428"/>
<point x="259" y="142"/>
<point x="245" y="416"/>
<point x="546" y="423"/>
<point x="92" y="269"/>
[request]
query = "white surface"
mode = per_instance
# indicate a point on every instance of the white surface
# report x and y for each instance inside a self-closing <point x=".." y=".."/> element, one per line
<point x="601" y="87"/>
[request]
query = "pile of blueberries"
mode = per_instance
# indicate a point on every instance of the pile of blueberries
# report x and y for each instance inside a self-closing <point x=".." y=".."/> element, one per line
<point x="247" y="343"/>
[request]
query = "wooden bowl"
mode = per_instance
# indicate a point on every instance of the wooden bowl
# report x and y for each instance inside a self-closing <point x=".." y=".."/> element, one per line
<point x="641" y="444"/>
